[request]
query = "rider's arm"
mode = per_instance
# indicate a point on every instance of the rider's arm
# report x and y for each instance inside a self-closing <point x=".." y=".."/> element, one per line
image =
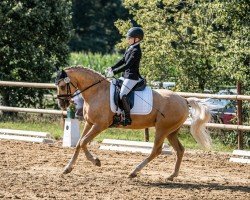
<point x="135" y="55"/>
<point x="118" y="64"/>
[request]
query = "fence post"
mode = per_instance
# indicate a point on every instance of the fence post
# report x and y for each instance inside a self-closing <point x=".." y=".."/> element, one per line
<point x="146" y="134"/>
<point x="239" y="117"/>
<point x="62" y="121"/>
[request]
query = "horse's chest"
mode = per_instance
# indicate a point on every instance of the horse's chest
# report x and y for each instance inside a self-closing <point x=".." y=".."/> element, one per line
<point x="92" y="113"/>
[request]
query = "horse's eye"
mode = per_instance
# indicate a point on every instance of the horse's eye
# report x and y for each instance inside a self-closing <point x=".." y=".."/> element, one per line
<point x="62" y="87"/>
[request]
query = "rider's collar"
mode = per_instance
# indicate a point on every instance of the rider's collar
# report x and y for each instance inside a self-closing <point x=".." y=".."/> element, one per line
<point x="133" y="45"/>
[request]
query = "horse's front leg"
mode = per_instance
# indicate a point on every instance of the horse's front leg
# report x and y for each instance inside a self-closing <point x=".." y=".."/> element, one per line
<point x="91" y="158"/>
<point x="94" y="131"/>
<point x="69" y="167"/>
<point x="82" y="143"/>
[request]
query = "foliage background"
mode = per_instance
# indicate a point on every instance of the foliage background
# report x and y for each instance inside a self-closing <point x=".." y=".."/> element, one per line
<point x="95" y="61"/>
<point x="206" y="42"/>
<point x="200" y="44"/>
<point x="93" y="23"/>
<point x="34" y="39"/>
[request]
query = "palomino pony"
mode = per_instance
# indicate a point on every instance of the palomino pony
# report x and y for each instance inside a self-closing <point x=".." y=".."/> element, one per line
<point x="171" y="112"/>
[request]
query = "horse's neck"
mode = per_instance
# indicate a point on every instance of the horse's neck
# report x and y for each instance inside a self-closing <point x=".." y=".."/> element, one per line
<point x="86" y="79"/>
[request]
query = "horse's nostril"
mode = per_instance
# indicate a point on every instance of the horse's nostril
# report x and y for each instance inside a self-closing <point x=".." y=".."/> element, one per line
<point x="63" y="104"/>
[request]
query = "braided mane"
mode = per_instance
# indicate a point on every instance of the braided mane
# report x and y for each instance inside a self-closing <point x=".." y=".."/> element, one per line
<point x="81" y="68"/>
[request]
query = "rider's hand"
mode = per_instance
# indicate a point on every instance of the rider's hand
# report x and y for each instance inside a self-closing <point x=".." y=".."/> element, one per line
<point x="109" y="72"/>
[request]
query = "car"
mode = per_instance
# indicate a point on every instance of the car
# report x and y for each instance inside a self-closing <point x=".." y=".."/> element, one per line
<point x="168" y="85"/>
<point x="165" y="85"/>
<point x="222" y="110"/>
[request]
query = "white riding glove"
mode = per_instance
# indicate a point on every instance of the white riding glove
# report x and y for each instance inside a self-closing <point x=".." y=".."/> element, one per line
<point x="109" y="72"/>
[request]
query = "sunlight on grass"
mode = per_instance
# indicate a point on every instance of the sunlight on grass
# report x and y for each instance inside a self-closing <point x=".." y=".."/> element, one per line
<point x="55" y="127"/>
<point x="121" y="134"/>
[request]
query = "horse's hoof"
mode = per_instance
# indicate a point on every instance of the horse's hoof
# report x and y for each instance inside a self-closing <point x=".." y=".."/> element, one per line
<point x="132" y="175"/>
<point x="67" y="170"/>
<point x="97" y="162"/>
<point x="170" y="178"/>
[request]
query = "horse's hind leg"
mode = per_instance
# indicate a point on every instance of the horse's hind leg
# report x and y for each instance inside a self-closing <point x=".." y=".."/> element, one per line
<point x="175" y="143"/>
<point x="157" y="149"/>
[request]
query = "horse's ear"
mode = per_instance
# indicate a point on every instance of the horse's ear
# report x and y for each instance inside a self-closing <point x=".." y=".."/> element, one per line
<point x="61" y="74"/>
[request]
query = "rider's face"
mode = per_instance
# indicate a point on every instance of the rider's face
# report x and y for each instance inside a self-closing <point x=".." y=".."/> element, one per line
<point x="132" y="40"/>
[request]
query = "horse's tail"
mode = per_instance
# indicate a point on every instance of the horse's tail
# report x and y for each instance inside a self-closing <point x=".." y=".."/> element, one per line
<point x="200" y="115"/>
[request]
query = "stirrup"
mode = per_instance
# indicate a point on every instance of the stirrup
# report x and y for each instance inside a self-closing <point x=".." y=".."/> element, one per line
<point x="116" y="121"/>
<point x="126" y="120"/>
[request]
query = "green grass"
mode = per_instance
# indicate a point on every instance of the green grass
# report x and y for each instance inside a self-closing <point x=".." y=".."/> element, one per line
<point x="189" y="143"/>
<point x="94" y="61"/>
<point x="54" y="126"/>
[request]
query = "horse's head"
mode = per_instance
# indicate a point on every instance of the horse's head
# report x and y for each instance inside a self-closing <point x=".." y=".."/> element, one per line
<point x="65" y="89"/>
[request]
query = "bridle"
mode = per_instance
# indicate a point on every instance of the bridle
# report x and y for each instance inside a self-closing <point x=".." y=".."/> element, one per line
<point x="68" y="83"/>
<point x="69" y="95"/>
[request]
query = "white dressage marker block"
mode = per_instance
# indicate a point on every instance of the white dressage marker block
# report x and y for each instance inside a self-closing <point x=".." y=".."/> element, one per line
<point x="25" y="139"/>
<point x="243" y="156"/>
<point x="26" y="136"/>
<point x="71" y="133"/>
<point x="27" y="133"/>
<point x="131" y="146"/>
<point x="240" y="160"/>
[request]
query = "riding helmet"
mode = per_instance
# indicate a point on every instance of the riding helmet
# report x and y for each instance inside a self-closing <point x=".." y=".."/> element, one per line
<point x="135" y="32"/>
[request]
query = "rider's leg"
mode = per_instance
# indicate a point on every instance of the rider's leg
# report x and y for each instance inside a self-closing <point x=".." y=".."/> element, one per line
<point x="126" y="107"/>
<point x="127" y="86"/>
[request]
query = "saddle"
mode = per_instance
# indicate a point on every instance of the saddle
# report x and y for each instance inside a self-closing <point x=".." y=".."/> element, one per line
<point x="140" y="86"/>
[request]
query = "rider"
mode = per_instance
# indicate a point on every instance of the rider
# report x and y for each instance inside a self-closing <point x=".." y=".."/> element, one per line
<point x="129" y="65"/>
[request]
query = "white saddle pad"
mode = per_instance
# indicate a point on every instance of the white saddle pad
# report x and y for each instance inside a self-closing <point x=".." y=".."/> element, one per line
<point x="143" y="101"/>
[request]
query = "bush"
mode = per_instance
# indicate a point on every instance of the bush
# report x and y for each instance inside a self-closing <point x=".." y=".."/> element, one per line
<point x="33" y="39"/>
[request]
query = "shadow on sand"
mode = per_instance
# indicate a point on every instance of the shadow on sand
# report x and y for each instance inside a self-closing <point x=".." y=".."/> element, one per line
<point x="198" y="186"/>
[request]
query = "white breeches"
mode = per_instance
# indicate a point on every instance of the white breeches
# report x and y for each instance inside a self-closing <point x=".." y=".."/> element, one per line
<point x="127" y="86"/>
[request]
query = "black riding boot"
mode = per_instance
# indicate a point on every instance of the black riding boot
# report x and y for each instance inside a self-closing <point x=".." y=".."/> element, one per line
<point x="126" y="106"/>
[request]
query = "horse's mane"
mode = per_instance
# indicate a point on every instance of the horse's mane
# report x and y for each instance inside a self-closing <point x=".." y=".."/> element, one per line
<point x="81" y="68"/>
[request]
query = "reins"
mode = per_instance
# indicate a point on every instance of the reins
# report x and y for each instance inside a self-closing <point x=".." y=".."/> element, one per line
<point x="81" y="91"/>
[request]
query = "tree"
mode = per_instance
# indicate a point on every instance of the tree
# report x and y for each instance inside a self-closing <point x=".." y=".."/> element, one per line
<point x="93" y="23"/>
<point x="204" y="42"/>
<point x="33" y="41"/>
<point x="234" y="28"/>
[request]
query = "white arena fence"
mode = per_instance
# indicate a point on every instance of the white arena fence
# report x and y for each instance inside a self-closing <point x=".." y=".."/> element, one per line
<point x="184" y="94"/>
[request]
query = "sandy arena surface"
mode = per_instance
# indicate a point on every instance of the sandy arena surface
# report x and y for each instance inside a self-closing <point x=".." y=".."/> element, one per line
<point x="33" y="171"/>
